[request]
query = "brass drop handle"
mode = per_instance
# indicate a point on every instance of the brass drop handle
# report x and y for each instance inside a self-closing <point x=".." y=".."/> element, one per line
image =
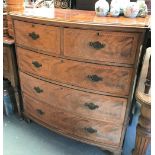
<point x="38" y="89"/>
<point x="94" y="78"/>
<point x="96" y="45"/>
<point x="36" y="64"/>
<point x="91" y="106"/>
<point x="33" y="35"/>
<point x="90" y="130"/>
<point x="40" y="112"/>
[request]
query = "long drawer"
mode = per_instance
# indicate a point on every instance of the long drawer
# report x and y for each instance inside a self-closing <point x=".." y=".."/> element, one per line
<point x="90" y="129"/>
<point x="100" y="107"/>
<point x="38" y="37"/>
<point x="117" y="47"/>
<point x="110" y="79"/>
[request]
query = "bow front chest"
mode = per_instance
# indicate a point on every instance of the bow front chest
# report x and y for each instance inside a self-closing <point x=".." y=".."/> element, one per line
<point x="77" y="73"/>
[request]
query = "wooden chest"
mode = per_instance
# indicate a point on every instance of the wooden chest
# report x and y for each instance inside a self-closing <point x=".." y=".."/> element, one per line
<point x="77" y="73"/>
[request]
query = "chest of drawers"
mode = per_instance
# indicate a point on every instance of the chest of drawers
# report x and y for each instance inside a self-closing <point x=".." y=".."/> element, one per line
<point x="77" y="73"/>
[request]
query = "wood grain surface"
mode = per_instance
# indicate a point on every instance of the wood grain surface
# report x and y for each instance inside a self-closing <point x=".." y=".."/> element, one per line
<point x="82" y="17"/>
<point x="114" y="80"/>
<point x="15" y="2"/>
<point x="6" y="61"/>
<point x="100" y="131"/>
<point x="7" y="40"/>
<point x="100" y="107"/>
<point x="48" y="36"/>
<point x="10" y="25"/>
<point x="118" y="47"/>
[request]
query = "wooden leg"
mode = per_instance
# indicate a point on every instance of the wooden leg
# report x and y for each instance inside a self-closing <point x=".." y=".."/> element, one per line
<point x="18" y="101"/>
<point x="143" y="133"/>
<point x="27" y="120"/>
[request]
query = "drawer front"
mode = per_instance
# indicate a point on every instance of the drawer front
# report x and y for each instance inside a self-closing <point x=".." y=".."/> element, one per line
<point x="110" y="79"/>
<point x="117" y="47"/>
<point x="89" y="129"/>
<point x="109" y="109"/>
<point x="39" y="37"/>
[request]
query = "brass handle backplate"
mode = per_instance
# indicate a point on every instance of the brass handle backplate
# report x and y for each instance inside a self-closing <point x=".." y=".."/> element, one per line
<point x="94" y="78"/>
<point x="90" y="130"/>
<point x="40" y="112"/>
<point x="38" y="89"/>
<point x="96" y="45"/>
<point x="36" y="64"/>
<point x="91" y="106"/>
<point x="33" y="35"/>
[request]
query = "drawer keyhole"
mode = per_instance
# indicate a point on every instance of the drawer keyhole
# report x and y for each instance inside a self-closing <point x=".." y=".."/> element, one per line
<point x="98" y="33"/>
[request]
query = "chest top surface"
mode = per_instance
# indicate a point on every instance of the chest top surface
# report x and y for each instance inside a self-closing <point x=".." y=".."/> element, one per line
<point x="81" y="17"/>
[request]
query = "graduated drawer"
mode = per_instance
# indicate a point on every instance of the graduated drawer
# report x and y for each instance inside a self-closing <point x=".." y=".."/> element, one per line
<point x="73" y="124"/>
<point x="85" y="104"/>
<point x="109" y="79"/>
<point x="117" y="47"/>
<point x="39" y="37"/>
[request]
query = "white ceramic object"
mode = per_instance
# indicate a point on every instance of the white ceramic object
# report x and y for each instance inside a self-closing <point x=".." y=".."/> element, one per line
<point x="131" y="10"/>
<point x="143" y="11"/>
<point x="101" y="8"/>
<point x="115" y="8"/>
<point x="123" y="4"/>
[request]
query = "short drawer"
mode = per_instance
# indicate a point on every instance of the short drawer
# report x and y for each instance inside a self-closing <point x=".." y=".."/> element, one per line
<point x="100" y="107"/>
<point x="72" y="124"/>
<point x="38" y="37"/>
<point x="109" y="79"/>
<point x="116" y="47"/>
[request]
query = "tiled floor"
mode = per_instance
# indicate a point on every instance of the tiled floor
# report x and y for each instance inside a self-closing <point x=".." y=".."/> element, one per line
<point x="21" y="138"/>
